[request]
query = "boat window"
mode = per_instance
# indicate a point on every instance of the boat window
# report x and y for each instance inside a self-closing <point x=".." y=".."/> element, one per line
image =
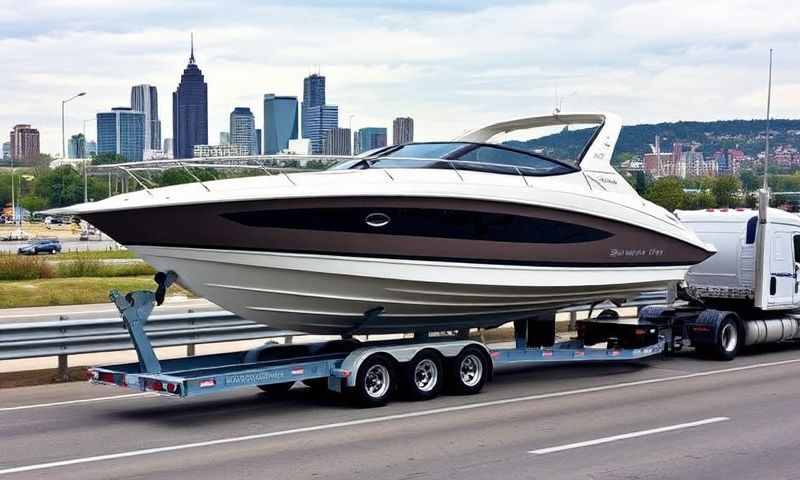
<point x="506" y="160"/>
<point x="426" y="150"/>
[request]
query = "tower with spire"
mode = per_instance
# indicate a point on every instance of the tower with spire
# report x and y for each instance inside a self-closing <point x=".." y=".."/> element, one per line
<point x="189" y="109"/>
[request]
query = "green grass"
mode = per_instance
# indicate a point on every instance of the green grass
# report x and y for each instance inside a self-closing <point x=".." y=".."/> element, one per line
<point x="96" y="255"/>
<point x="72" y="291"/>
<point x="17" y="267"/>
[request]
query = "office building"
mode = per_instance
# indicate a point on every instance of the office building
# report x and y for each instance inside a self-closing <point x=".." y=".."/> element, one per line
<point x="402" y="130"/>
<point x="280" y="122"/>
<point x="91" y="148"/>
<point x="121" y="131"/>
<point x="336" y="142"/>
<point x="189" y="111"/>
<point x="243" y="129"/>
<point x="369" y="138"/>
<point x="168" y="147"/>
<point x="313" y="96"/>
<point x="319" y="120"/>
<point x="6" y="151"/>
<point x="224" y="138"/>
<point x="144" y="98"/>
<point x="202" y="151"/>
<point x="259" y="142"/>
<point x="24" y="144"/>
<point x="77" y="146"/>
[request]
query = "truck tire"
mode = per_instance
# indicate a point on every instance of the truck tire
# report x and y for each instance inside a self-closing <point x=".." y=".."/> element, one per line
<point x="727" y="342"/>
<point x="469" y="371"/>
<point x="423" y="376"/>
<point x="375" y="382"/>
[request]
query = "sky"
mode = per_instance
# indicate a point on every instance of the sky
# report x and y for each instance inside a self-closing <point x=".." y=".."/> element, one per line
<point x="451" y="65"/>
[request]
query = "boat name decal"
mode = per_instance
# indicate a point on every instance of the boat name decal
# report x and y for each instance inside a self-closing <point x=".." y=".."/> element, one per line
<point x="635" y="252"/>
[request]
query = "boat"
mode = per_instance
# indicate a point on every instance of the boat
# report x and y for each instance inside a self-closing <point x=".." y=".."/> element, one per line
<point x="416" y="237"/>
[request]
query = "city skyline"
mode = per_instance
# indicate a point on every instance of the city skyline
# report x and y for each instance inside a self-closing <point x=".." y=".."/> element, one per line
<point x="452" y="67"/>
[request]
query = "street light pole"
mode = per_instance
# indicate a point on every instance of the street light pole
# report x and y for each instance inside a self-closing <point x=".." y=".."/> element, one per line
<point x="85" y="166"/>
<point x="63" y="135"/>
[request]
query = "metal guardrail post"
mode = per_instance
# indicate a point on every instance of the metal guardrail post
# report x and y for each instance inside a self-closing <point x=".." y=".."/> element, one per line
<point x="63" y="368"/>
<point x="190" y="350"/>
<point x="573" y="320"/>
<point x="288" y="339"/>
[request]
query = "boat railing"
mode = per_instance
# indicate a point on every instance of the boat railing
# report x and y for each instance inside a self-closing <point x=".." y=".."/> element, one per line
<point x="285" y="165"/>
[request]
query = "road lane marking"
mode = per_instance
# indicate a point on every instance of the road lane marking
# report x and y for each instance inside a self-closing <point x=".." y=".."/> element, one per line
<point x="386" y="418"/>
<point x="72" y="402"/>
<point x="174" y="304"/>
<point x="625" y="436"/>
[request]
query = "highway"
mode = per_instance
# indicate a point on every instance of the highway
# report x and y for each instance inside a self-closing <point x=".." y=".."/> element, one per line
<point x="679" y="418"/>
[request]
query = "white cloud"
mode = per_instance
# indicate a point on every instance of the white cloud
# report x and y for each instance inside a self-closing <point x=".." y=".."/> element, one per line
<point x="451" y="65"/>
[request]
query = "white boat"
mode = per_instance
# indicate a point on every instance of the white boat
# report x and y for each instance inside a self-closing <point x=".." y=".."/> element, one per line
<point x="415" y="237"/>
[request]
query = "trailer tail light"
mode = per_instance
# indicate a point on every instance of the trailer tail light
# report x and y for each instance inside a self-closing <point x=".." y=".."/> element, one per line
<point x="298" y="371"/>
<point x="172" y="388"/>
<point x="495" y="354"/>
<point x="105" y="377"/>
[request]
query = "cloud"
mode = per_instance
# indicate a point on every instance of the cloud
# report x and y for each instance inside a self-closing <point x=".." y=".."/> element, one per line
<point x="451" y="65"/>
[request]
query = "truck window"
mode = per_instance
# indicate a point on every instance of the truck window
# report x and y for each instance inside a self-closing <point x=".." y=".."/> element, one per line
<point x="752" y="224"/>
<point x="797" y="248"/>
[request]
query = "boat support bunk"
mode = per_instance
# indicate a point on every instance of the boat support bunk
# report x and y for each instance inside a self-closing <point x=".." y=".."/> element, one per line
<point x="370" y="372"/>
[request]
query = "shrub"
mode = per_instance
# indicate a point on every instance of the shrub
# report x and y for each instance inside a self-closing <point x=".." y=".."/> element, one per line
<point x="18" y="267"/>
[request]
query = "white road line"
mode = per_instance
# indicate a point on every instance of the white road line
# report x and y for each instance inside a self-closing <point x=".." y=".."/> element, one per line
<point x="176" y="304"/>
<point x="387" y="418"/>
<point x="72" y="402"/>
<point x="625" y="436"/>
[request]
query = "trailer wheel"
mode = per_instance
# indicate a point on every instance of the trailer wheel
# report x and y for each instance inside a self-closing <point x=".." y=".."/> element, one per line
<point x="276" y="389"/>
<point x="375" y="382"/>
<point x="423" y="376"/>
<point x="727" y="342"/>
<point x="469" y="371"/>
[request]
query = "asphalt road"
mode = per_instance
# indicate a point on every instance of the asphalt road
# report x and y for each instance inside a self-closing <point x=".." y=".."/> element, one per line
<point x="676" y="418"/>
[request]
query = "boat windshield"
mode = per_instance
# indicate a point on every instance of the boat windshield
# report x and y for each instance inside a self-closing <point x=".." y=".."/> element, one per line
<point x="463" y="156"/>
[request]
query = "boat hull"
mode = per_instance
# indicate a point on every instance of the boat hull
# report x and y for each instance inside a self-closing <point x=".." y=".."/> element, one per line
<point x="333" y="294"/>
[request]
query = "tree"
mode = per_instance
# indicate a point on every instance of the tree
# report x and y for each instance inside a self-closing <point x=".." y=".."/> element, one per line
<point x="749" y="180"/>
<point x="725" y="189"/>
<point x="666" y="192"/>
<point x="699" y="201"/>
<point x="33" y="203"/>
<point x="59" y="187"/>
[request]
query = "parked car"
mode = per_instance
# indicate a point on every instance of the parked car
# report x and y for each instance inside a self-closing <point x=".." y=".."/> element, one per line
<point x="48" y="245"/>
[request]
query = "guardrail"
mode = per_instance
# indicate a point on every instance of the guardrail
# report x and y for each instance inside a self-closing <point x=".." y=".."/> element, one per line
<point x="70" y="337"/>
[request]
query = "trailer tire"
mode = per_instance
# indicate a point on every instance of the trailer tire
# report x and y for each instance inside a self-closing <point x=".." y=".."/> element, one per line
<point x="276" y="389"/>
<point x="423" y="376"/>
<point x="375" y="382"/>
<point x="727" y="341"/>
<point x="469" y="371"/>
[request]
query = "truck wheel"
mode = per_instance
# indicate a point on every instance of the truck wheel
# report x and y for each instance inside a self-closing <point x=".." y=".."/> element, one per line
<point x="276" y="389"/>
<point x="727" y="342"/>
<point x="423" y="376"/>
<point x="375" y="382"/>
<point x="470" y="371"/>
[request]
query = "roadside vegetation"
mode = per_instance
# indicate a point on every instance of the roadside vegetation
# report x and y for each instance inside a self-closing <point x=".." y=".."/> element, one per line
<point x="17" y="267"/>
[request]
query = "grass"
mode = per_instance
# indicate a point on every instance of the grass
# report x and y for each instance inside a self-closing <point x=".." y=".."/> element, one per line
<point x="96" y="255"/>
<point x="72" y="291"/>
<point x="16" y="267"/>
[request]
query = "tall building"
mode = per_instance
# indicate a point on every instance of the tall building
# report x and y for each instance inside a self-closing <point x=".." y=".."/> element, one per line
<point x="224" y="138"/>
<point x="313" y="96"/>
<point x="24" y="144"/>
<point x="369" y="138"/>
<point x="144" y="98"/>
<point x="402" y="130"/>
<point x="280" y="122"/>
<point x="77" y="146"/>
<point x="168" y="147"/>
<point x="318" y="121"/>
<point x="91" y="148"/>
<point x="336" y="142"/>
<point x="259" y="142"/>
<point x="121" y="131"/>
<point x="189" y="111"/>
<point x="6" y="151"/>
<point x="243" y="129"/>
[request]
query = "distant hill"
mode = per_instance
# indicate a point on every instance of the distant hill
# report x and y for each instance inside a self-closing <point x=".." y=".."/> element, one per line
<point x="747" y="135"/>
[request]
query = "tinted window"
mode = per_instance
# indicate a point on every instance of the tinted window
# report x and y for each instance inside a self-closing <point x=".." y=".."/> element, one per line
<point x="505" y="159"/>
<point x="797" y="248"/>
<point x="426" y="150"/>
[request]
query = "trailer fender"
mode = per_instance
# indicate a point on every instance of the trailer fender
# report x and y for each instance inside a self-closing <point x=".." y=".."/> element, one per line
<point x="403" y="353"/>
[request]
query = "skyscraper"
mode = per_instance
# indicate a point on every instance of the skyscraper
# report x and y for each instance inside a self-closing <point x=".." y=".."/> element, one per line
<point x="224" y="138"/>
<point x="24" y="144"/>
<point x="313" y="96"/>
<point x="318" y="121"/>
<point x="369" y="138"/>
<point x="77" y="146"/>
<point x="402" y="130"/>
<point x="336" y="142"/>
<point x="91" y="148"/>
<point x="144" y="98"/>
<point x="6" y="151"/>
<point x="243" y="129"/>
<point x="168" y="147"/>
<point x="280" y="122"/>
<point x="189" y="111"/>
<point x="258" y="142"/>
<point x="121" y="131"/>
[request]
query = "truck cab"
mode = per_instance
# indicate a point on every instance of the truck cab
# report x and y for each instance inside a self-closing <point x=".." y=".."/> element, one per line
<point x="732" y="274"/>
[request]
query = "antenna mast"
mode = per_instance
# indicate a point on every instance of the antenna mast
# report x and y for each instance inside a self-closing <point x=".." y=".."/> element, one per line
<point x="769" y="97"/>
